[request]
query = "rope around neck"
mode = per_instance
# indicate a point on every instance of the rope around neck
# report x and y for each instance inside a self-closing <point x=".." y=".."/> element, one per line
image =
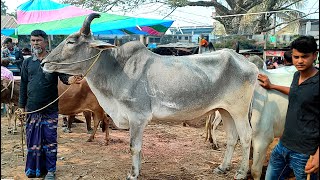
<point x="98" y="54"/>
<point x="97" y="57"/>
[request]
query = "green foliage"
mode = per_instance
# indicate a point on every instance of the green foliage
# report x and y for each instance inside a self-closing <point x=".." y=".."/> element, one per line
<point x="4" y="8"/>
<point x="178" y="3"/>
<point x="231" y="41"/>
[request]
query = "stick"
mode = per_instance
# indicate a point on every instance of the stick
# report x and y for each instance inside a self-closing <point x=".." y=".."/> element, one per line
<point x="308" y="176"/>
<point x="22" y="132"/>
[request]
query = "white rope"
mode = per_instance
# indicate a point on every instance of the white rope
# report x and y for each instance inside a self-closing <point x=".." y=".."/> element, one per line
<point x="97" y="57"/>
<point x="6" y="86"/>
<point x="98" y="54"/>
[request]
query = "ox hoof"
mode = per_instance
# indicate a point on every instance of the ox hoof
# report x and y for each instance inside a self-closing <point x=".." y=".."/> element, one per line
<point x="14" y="132"/>
<point x="215" y="147"/>
<point x="90" y="131"/>
<point x="106" y="142"/>
<point x="129" y="177"/>
<point x="220" y="171"/>
<point x="9" y="130"/>
<point x="89" y="140"/>
<point x="67" y="130"/>
<point x="240" y="175"/>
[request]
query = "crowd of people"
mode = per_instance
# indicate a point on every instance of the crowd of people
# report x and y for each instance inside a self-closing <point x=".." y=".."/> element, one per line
<point x="297" y="150"/>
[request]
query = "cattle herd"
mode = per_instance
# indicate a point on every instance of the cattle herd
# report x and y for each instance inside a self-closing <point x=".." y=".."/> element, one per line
<point x="129" y="86"/>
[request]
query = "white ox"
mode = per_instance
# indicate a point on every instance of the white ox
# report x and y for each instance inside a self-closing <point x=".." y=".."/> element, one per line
<point x="268" y="115"/>
<point x="135" y="86"/>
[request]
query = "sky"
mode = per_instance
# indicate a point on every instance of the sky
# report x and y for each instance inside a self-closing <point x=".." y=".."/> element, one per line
<point x="184" y="16"/>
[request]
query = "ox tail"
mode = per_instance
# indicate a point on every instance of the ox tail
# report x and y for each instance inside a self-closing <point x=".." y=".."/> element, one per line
<point x="208" y="125"/>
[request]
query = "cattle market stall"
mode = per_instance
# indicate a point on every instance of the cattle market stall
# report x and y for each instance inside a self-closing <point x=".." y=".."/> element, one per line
<point x="249" y="52"/>
<point x="177" y="49"/>
<point x="274" y="53"/>
<point x="64" y="19"/>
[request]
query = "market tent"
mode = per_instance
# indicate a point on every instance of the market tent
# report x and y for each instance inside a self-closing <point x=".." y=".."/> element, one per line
<point x="8" y="26"/>
<point x="8" y="32"/>
<point x="64" y="19"/>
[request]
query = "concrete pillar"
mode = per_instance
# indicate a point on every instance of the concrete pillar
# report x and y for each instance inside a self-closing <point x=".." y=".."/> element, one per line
<point x="308" y="27"/>
<point x="142" y="39"/>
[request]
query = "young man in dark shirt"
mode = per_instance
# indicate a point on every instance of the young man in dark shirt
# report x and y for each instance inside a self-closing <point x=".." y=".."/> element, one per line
<point x="38" y="89"/>
<point x="13" y="53"/>
<point x="298" y="148"/>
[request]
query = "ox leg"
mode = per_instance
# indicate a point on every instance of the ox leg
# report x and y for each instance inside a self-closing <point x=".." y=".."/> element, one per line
<point x="208" y="129"/>
<point x="13" y="109"/>
<point x="65" y="121"/>
<point x="260" y="147"/>
<point x="245" y="133"/>
<point x="87" y="115"/>
<point x="96" y="121"/>
<point x="70" y="121"/>
<point x="232" y="137"/>
<point x="8" y="114"/>
<point x="217" y="120"/>
<point x="136" y="135"/>
<point x="106" y="122"/>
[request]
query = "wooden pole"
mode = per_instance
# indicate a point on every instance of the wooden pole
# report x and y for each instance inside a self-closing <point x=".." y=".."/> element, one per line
<point x="50" y="43"/>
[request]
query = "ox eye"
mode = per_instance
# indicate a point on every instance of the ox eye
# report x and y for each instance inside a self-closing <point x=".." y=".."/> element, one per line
<point x="70" y="42"/>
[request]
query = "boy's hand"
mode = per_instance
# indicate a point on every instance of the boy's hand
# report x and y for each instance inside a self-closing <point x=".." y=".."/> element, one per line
<point x="264" y="81"/>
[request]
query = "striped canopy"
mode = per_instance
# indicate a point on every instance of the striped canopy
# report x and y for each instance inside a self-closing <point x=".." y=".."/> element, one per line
<point x="64" y="19"/>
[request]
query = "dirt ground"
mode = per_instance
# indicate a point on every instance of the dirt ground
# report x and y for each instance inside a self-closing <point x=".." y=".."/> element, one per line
<point x="170" y="152"/>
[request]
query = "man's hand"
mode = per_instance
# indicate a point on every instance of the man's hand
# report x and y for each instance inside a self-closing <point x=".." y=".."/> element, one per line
<point x="312" y="165"/>
<point x="264" y="81"/>
<point x="75" y="79"/>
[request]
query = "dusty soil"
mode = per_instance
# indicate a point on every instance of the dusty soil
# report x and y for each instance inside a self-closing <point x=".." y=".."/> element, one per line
<point x="170" y="152"/>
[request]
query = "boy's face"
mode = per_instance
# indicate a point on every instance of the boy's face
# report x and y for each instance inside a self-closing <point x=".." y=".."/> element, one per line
<point x="303" y="61"/>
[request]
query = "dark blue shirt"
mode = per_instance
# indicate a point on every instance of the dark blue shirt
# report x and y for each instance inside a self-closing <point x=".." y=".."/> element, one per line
<point x="37" y="88"/>
<point x="301" y="131"/>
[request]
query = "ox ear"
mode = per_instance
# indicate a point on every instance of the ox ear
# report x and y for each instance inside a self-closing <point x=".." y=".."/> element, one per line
<point x="101" y="45"/>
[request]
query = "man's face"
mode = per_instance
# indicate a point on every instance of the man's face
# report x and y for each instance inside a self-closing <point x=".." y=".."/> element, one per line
<point x="38" y="44"/>
<point x="8" y="45"/>
<point x="303" y="61"/>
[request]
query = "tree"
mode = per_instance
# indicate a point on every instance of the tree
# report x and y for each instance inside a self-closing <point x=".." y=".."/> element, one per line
<point x="229" y="9"/>
<point x="4" y="8"/>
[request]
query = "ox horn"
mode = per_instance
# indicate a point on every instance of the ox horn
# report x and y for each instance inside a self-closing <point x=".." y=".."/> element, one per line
<point x="86" y="24"/>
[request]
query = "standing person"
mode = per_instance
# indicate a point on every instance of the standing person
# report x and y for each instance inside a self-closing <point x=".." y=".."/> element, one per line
<point x="9" y="50"/>
<point x="203" y="45"/>
<point x="298" y="148"/>
<point x="37" y="89"/>
<point x="287" y="58"/>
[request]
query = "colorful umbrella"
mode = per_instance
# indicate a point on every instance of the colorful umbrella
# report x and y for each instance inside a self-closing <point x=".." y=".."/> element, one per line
<point x="63" y="19"/>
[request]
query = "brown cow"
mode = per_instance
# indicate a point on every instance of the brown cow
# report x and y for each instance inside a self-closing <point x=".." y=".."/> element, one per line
<point x="10" y="98"/>
<point x="77" y="99"/>
<point x="68" y="120"/>
<point x="80" y="98"/>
